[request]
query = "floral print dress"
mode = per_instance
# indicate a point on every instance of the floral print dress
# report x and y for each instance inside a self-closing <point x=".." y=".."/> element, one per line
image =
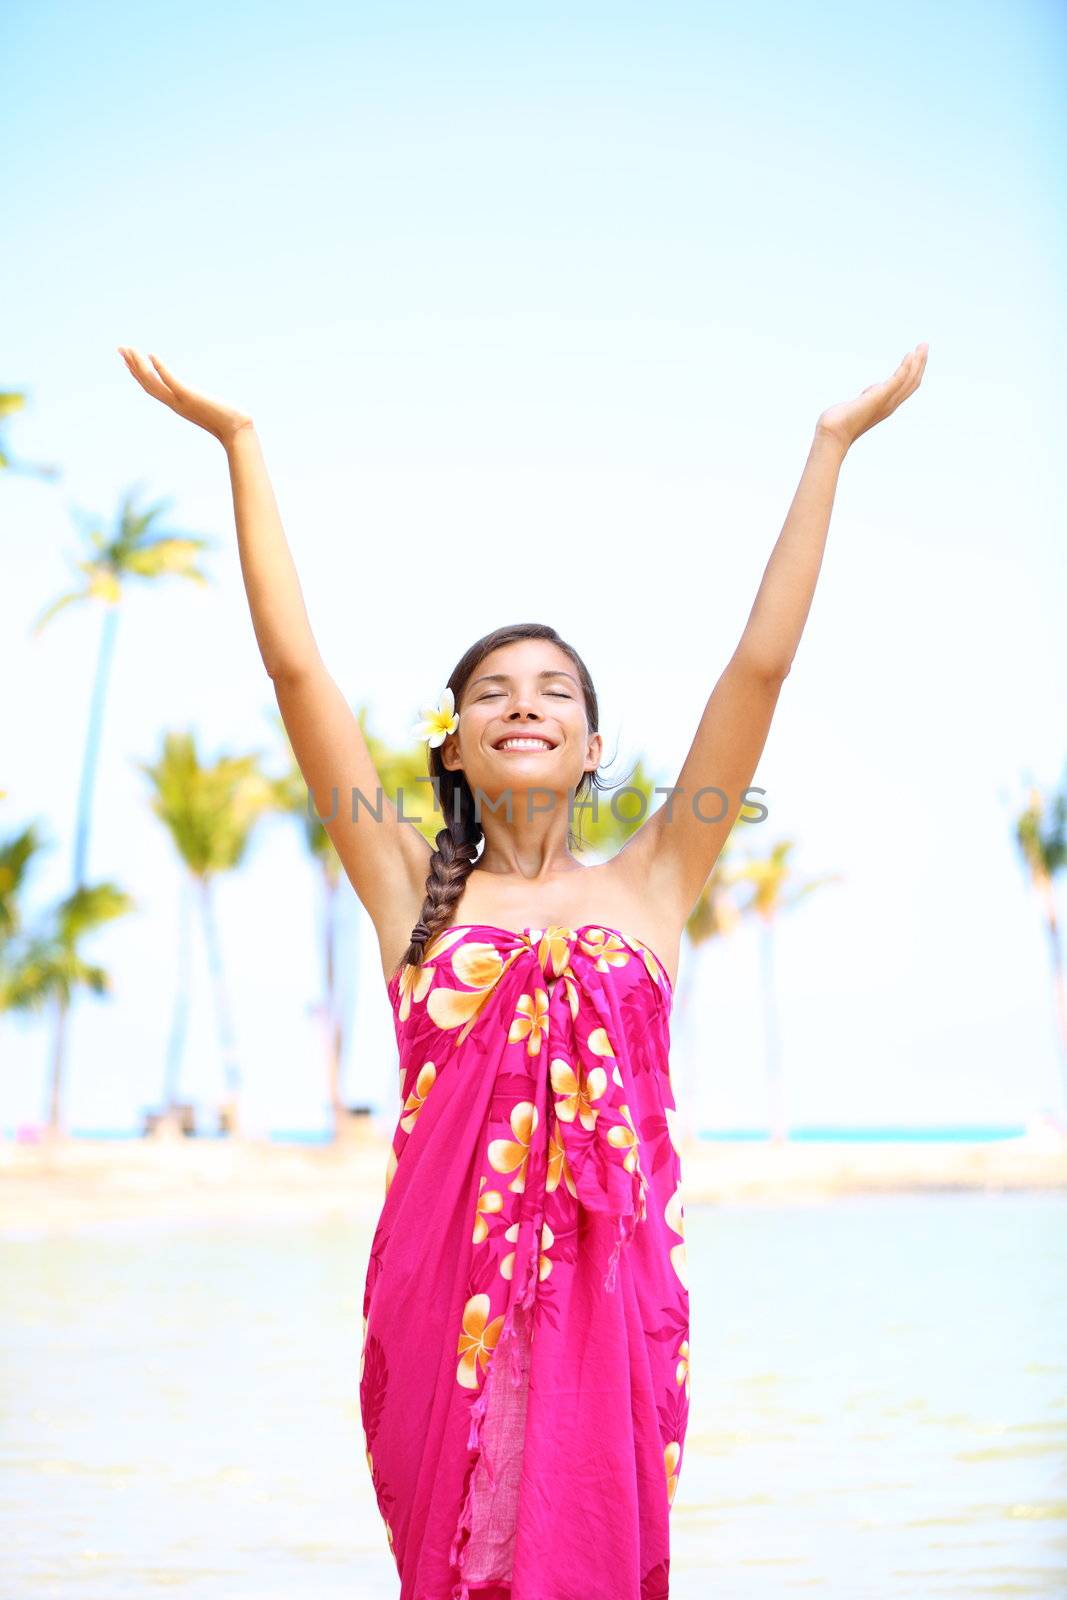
<point x="524" y="1376"/>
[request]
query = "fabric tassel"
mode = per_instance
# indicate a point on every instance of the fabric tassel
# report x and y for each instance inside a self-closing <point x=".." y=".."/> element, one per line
<point x="626" y="1227"/>
<point x="507" y="1341"/>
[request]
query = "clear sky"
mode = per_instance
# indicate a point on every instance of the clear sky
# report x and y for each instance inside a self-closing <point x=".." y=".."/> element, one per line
<point x="535" y="308"/>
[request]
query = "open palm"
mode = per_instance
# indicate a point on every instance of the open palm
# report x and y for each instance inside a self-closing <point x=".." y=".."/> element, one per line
<point x="879" y="400"/>
<point x="219" y="419"/>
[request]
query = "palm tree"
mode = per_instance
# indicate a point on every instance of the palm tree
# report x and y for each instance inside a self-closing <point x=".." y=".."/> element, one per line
<point x="12" y="401"/>
<point x="210" y="812"/>
<point x="137" y="551"/>
<point x="44" y="965"/>
<point x="774" y="890"/>
<point x="1041" y="835"/>
<point x="603" y="825"/>
<point x="291" y="798"/>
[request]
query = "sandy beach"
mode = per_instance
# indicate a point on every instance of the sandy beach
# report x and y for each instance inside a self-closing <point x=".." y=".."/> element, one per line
<point x="74" y="1182"/>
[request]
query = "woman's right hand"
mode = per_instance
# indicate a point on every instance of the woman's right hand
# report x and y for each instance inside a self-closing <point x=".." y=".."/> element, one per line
<point x="220" y="420"/>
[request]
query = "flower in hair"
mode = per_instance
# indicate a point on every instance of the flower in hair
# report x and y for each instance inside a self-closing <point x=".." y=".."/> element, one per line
<point x="438" y="721"/>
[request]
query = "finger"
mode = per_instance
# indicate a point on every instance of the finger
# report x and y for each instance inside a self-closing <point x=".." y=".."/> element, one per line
<point x="897" y="384"/>
<point x="147" y="378"/>
<point x="903" y="372"/>
<point x="918" y="367"/>
<point x="913" y="382"/>
<point x="165" y="373"/>
<point x="131" y="363"/>
<point x="888" y="386"/>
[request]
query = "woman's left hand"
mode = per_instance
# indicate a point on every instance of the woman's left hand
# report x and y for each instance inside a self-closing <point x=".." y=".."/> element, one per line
<point x="845" y="422"/>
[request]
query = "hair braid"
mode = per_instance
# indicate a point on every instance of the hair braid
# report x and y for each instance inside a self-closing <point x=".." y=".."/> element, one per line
<point x="455" y="852"/>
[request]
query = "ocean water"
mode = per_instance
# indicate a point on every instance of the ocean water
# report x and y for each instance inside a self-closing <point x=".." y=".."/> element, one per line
<point x="879" y="1406"/>
<point x="917" y="1133"/>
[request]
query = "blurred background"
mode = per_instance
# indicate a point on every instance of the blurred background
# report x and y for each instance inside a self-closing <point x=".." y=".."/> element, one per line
<point x="535" y="310"/>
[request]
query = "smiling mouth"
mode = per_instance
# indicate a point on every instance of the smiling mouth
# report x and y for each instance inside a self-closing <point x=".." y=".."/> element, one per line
<point x="516" y="743"/>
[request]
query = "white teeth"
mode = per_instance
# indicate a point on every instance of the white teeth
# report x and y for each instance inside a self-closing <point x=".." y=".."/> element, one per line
<point x="524" y="744"/>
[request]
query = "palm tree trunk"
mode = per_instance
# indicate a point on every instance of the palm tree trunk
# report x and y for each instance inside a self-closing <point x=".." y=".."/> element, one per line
<point x="779" y="1130"/>
<point x="1059" y="991"/>
<point x="92" y="744"/>
<point x="176" y="1043"/>
<point x="81" y="842"/>
<point x="55" y="1087"/>
<point x="230" y="1109"/>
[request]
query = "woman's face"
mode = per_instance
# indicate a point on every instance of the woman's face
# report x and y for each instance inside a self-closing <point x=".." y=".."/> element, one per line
<point x="522" y="723"/>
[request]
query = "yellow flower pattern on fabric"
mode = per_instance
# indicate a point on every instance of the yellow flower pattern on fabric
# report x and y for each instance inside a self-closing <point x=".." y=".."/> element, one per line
<point x="674" y="1217"/>
<point x="415" y="1100"/>
<point x="577" y="1091"/>
<point x="553" y="949"/>
<point x="558" y="1166"/>
<point x="652" y="963"/>
<point x="414" y="986"/>
<point x="477" y="1340"/>
<point x="671" y="1457"/>
<point x="681" y="1372"/>
<point x="624" y="1137"/>
<point x="489" y="1202"/>
<point x="510" y="1155"/>
<point x="544" y="1265"/>
<point x="599" y="1043"/>
<point x="531" y="1019"/>
<point x="480" y="967"/>
<point x="607" y="949"/>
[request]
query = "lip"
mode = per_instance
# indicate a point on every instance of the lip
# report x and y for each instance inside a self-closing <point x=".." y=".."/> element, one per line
<point x="527" y="738"/>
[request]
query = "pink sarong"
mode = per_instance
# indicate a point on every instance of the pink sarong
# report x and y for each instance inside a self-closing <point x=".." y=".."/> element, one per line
<point x="524" y="1377"/>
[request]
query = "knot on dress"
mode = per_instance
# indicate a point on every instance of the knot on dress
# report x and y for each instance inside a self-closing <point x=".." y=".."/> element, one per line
<point x="594" y="1126"/>
<point x="553" y="948"/>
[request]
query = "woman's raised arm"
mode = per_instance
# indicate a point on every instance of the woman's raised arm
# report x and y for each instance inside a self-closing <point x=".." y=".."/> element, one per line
<point x="386" y="861"/>
<point x="676" y="848"/>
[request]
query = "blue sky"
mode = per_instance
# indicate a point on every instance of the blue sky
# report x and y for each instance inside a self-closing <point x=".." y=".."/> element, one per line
<point x="535" y="308"/>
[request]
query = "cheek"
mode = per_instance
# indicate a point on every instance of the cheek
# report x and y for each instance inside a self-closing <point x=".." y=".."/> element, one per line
<point x="473" y="725"/>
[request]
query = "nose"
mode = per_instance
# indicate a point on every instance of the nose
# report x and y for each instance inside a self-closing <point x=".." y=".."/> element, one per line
<point x="522" y="706"/>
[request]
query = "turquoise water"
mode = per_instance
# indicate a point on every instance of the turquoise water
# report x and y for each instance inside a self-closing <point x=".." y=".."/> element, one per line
<point x="879" y="1406"/>
<point x="961" y="1133"/>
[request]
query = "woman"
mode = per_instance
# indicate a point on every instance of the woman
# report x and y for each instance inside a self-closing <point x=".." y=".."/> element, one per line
<point x="524" y="1378"/>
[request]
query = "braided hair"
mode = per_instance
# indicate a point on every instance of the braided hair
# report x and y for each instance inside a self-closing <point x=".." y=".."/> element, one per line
<point x="457" y="844"/>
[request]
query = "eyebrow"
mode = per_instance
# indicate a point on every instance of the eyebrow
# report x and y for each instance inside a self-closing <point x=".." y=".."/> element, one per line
<point x="504" y="677"/>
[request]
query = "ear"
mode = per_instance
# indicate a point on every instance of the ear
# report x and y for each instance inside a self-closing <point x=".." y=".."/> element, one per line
<point x="594" y="752"/>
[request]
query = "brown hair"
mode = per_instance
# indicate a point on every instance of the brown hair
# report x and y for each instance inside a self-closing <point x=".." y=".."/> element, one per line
<point x="457" y="843"/>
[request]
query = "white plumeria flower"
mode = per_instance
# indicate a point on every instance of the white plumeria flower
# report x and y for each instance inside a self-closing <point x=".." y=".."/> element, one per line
<point x="438" y="721"/>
